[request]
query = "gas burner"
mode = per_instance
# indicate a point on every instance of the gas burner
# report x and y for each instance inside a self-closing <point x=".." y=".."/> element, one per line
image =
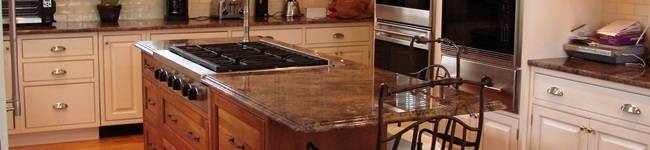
<point x="245" y="56"/>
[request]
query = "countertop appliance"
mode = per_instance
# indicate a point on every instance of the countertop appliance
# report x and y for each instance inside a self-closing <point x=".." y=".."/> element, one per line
<point x="393" y="50"/>
<point x="414" y="12"/>
<point x="176" y="10"/>
<point x="229" y="9"/>
<point x="31" y="11"/>
<point x="607" y="54"/>
<point x="292" y="9"/>
<point x="489" y="31"/>
<point x="261" y="8"/>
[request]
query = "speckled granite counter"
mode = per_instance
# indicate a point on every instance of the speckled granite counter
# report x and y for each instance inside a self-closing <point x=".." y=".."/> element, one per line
<point x="134" y="25"/>
<point x="342" y="95"/>
<point x="631" y="75"/>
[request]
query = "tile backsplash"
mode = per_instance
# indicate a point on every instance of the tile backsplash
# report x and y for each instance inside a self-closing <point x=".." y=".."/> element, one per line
<point x="627" y="10"/>
<point x="85" y="10"/>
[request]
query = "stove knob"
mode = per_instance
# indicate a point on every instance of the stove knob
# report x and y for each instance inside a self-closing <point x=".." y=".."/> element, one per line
<point x="185" y="91"/>
<point x="157" y="73"/>
<point x="163" y="75"/>
<point x="180" y="82"/>
<point x="171" y="79"/>
<point x="197" y="92"/>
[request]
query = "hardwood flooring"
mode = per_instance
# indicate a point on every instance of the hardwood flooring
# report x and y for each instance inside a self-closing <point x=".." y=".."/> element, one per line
<point x="132" y="142"/>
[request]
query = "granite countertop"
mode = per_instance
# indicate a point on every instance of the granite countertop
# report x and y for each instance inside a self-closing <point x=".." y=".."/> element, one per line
<point x="631" y="75"/>
<point x="340" y="95"/>
<point x="156" y="24"/>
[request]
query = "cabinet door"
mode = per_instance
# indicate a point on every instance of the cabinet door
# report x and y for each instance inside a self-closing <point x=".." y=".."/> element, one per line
<point x="499" y="132"/>
<point x="358" y="54"/>
<point x="166" y="145"/>
<point x="555" y="130"/>
<point x="8" y="88"/>
<point x="611" y="137"/>
<point x="152" y="140"/>
<point x="122" y="80"/>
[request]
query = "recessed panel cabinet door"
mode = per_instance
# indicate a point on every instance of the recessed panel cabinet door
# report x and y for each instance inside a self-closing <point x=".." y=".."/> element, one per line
<point x="499" y="132"/>
<point x="8" y="89"/>
<point x="554" y="130"/>
<point x="122" y="80"/>
<point x="611" y="137"/>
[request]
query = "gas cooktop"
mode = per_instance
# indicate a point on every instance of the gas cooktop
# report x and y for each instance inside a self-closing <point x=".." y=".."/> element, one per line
<point x="245" y="56"/>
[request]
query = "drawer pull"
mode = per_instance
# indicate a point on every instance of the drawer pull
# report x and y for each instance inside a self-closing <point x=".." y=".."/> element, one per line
<point x="632" y="109"/>
<point x="60" y="106"/>
<point x="191" y="135"/>
<point x="555" y="91"/>
<point x="233" y="143"/>
<point x="150" y="102"/>
<point x="59" y="71"/>
<point x="58" y="48"/>
<point x="338" y="35"/>
<point x="171" y="118"/>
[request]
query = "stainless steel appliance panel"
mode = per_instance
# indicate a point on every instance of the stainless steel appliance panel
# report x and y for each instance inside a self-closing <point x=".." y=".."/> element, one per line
<point x="393" y="51"/>
<point x="404" y="15"/>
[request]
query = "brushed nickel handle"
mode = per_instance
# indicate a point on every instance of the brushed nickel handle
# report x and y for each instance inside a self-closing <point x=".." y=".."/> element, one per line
<point x="150" y="102"/>
<point x="589" y="130"/>
<point x="555" y="91"/>
<point x="338" y="35"/>
<point x="59" y="71"/>
<point x="632" y="109"/>
<point x="233" y="143"/>
<point x="60" y="106"/>
<point x="58" y="48"/>
<point x="583" y="128"/>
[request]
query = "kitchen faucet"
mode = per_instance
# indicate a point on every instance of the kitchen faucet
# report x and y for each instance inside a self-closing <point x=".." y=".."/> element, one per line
<point x="247" y="28"/>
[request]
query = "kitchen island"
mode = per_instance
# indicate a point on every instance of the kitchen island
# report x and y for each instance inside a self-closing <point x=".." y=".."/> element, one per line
<point x="330" y="107"/>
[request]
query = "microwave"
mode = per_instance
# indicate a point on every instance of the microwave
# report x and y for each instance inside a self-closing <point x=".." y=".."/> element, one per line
<point x="31" y="11"/>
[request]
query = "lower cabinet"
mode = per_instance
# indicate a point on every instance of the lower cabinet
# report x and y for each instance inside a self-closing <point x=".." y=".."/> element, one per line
<point x="8" y="90"/>
<point x="238" y="127"/>
<point x="358" y="54"/>
<point x="152" y="139"/>
<point x="60" y="105"/>
<point x="556" y="130"/>
<point x="290" y="36"/>
<point x="122" y="76"/>
<point x="500" y="132"/>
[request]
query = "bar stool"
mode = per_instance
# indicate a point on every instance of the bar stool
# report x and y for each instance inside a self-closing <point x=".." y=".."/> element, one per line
<point x="445" y="135"/>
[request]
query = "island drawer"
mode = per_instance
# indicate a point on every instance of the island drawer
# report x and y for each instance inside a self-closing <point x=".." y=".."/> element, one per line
<point x="64" y="70"/>
<point x="149" y="65"/>
<point x="186" y="124"/>
<point x="592" y="98"/>
<point x="152" y="102"/>
<point x="238" y="128"/>
<point x="338" y="34"/>
<point x="55" y="105"/>
<point x="152" y="139"/>
<point x="58" y="47"/>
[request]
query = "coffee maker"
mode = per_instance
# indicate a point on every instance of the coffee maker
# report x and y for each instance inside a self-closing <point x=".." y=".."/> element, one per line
<point x="176" y="10"/>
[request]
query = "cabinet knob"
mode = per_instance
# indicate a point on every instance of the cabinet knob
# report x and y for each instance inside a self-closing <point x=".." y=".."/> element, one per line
<point x="233" y="143"/>
<point x="59" y="71"/>
<point x="60" y="106"/>
<point x="150" y="102"/>
<point x="555" y="91"/>
<point x="632" y="109"/>
<point x="191" y="135"/>
<point x="58" y="48"/>
<point x="171" y="118"/>
<point x="338" y="35"/>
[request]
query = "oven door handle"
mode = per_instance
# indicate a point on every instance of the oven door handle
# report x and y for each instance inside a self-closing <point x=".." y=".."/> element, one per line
<point x="396" y="33"/>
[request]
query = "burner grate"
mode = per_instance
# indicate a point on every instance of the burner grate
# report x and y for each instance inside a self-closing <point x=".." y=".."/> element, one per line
<point x="245" y="56"/>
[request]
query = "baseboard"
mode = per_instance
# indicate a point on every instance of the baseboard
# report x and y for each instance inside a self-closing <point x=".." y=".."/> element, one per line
<point x="120" y="130"/>
<point x="50" y="137"/>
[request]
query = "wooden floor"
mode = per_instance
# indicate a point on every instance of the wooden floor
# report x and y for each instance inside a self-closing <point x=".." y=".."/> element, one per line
<point x="133" y="142"/>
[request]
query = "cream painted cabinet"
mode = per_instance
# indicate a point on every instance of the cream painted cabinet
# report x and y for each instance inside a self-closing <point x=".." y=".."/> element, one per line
<point x="358" y="54"/>
<point x="8" y="88"/>
<point x="554" y="130"/>
<point x="189" y="35"/>
<point x="291" y="36"/>
<point x="611" y="137"/>
<point x="499" y="132"/>
<point x="122" y="102"/>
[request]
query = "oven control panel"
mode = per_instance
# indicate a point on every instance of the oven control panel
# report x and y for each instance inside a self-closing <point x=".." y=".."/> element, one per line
<point x="182" y="84"/>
